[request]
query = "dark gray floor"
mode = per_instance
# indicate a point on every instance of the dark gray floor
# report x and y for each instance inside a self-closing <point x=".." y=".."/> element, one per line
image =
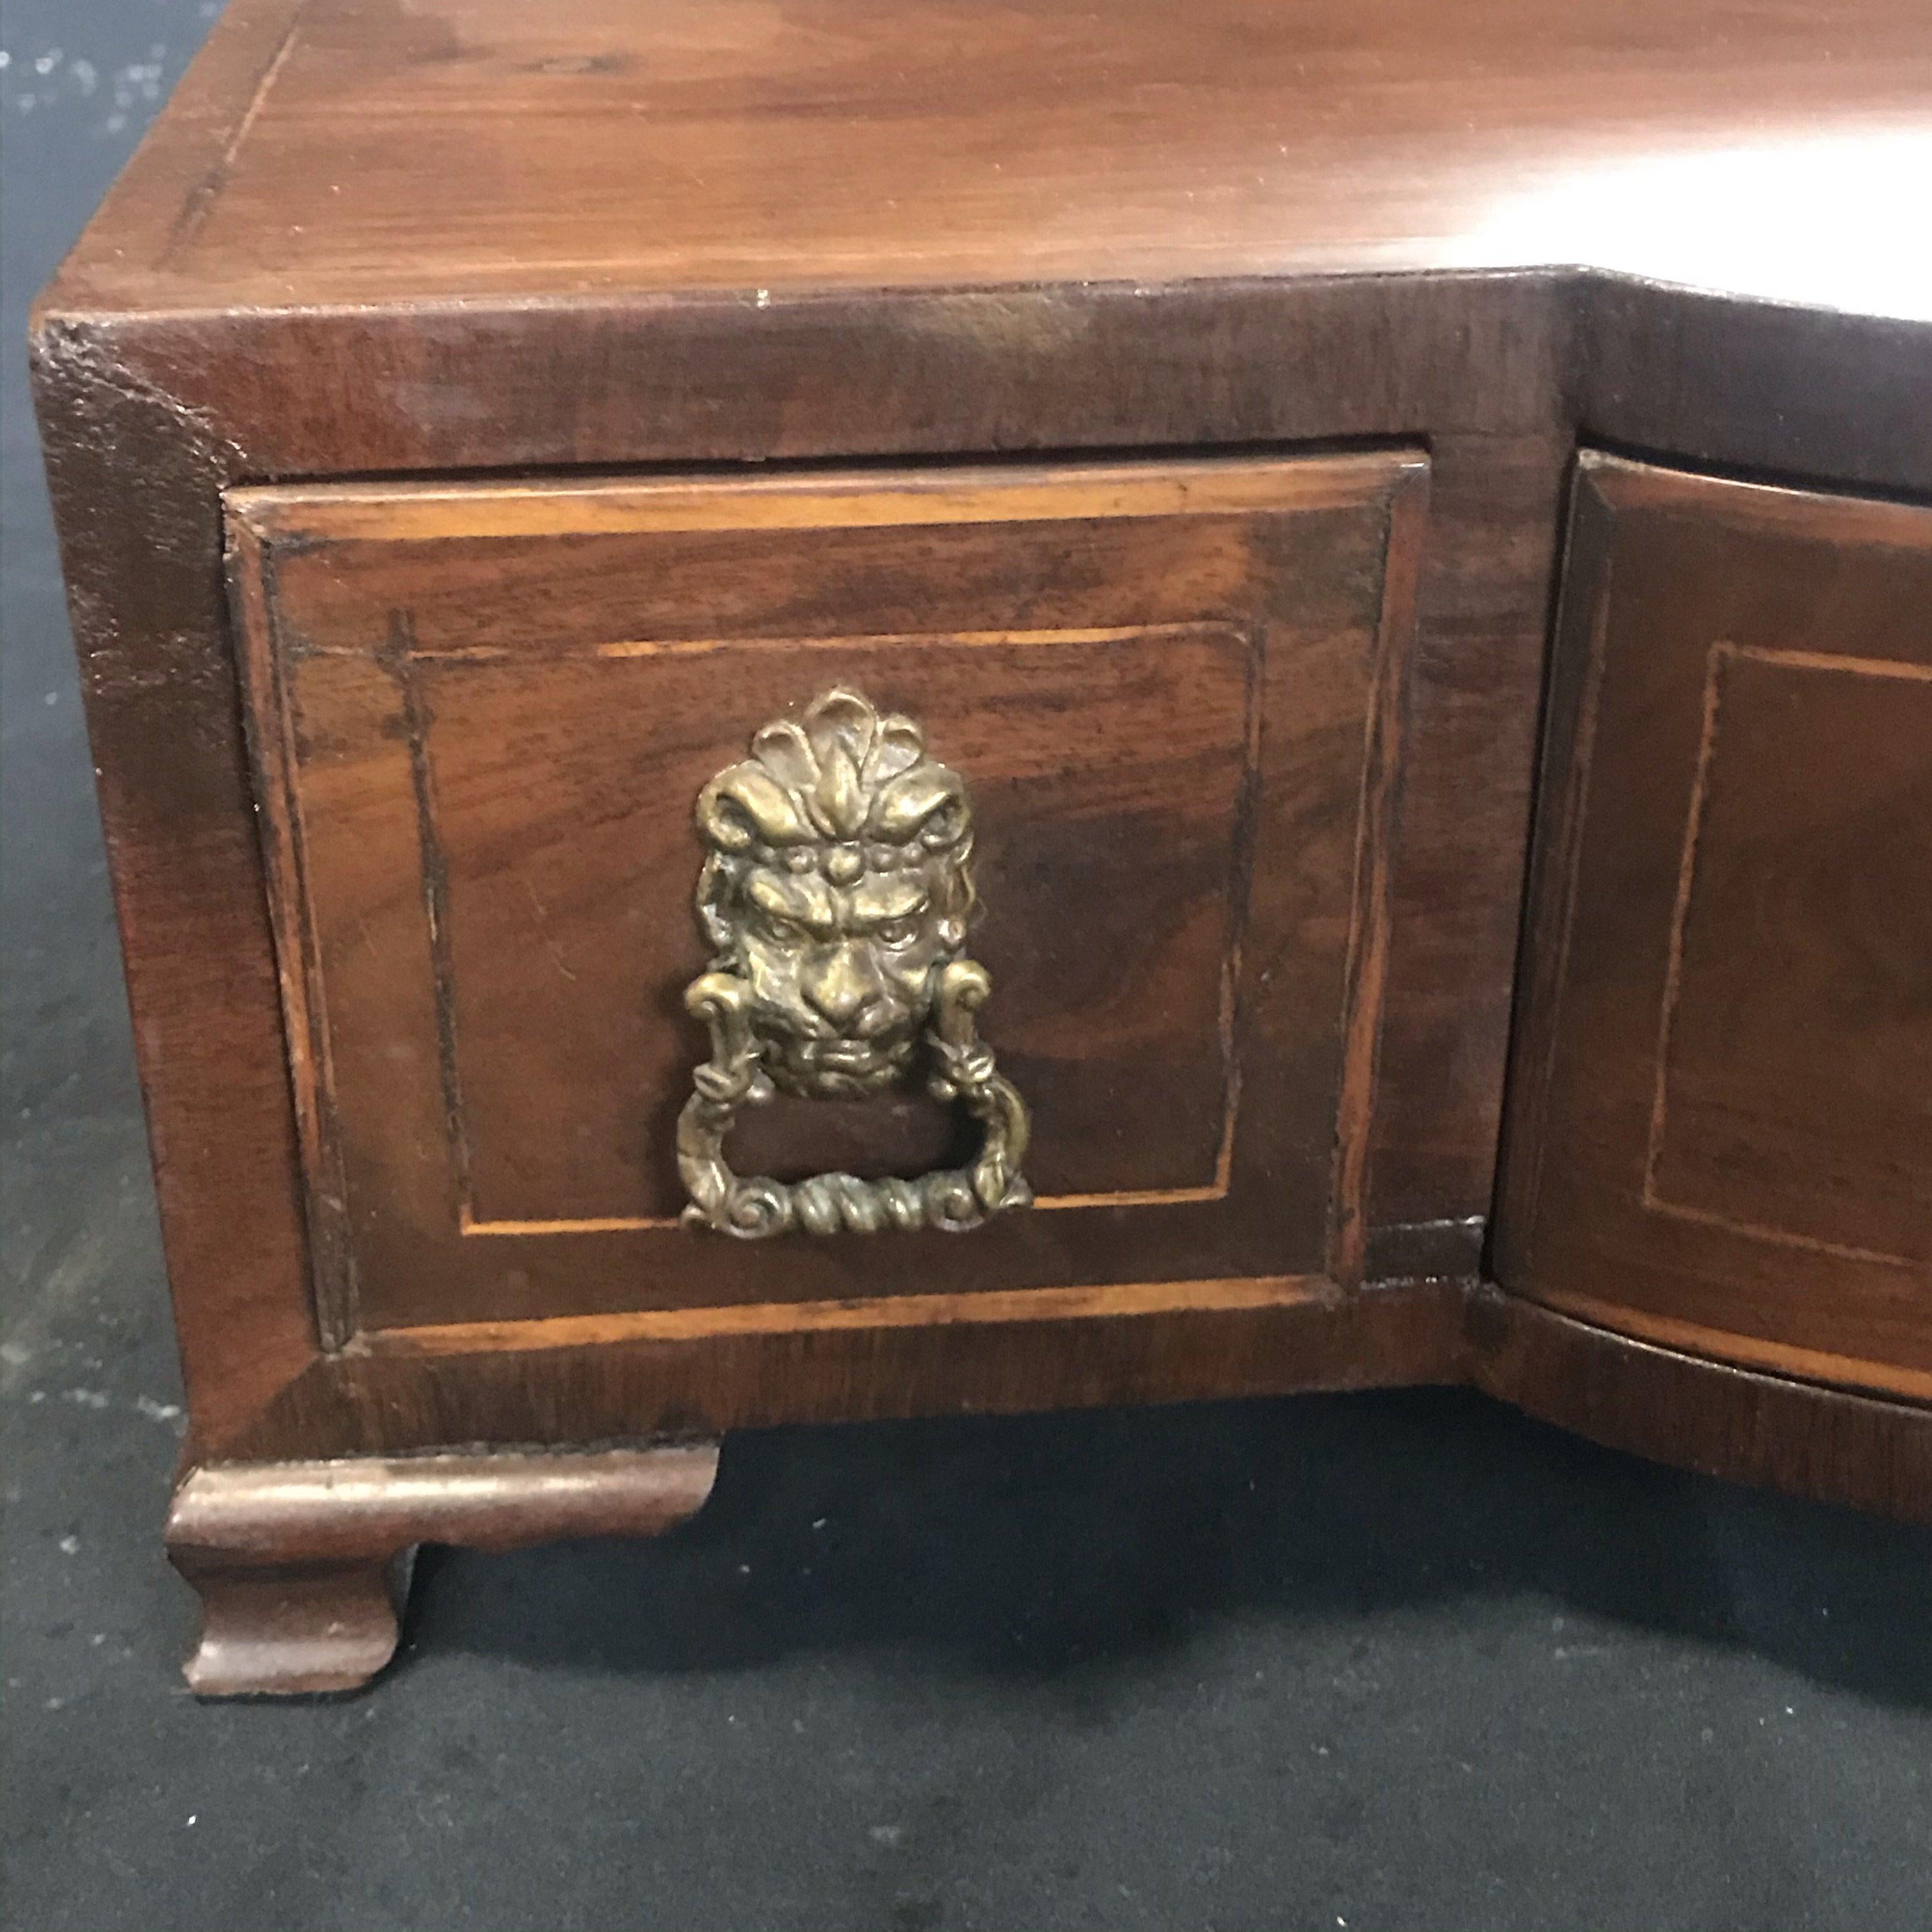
<point x="1386" y="1662"/>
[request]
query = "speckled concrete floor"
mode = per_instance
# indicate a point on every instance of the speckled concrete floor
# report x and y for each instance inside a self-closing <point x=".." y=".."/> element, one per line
<point x="1387" y="1662"/>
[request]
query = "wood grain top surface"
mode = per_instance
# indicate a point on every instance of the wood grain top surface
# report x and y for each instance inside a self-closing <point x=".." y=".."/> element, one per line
<point x="327" y="153"/>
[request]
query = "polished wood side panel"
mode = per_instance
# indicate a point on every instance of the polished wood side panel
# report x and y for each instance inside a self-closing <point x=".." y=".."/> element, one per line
<point x="139" y="510"/>
<point x="482" y="715"/>
<point x="1721" y="1116"/>
<point x="302" y="1567"/>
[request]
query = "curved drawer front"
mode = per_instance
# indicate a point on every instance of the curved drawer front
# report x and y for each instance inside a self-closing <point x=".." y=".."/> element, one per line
<point x="1720" y="1133"/>
<point x="483" y="716"/>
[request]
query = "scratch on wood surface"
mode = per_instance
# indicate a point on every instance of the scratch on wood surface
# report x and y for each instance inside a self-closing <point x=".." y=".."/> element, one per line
<point x="201" y="198"/>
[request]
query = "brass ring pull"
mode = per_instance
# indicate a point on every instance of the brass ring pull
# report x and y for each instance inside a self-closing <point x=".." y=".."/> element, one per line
<point x="835" y="895"/>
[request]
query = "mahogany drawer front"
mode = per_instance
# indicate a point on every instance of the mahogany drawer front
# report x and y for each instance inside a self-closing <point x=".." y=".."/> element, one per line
<point x="481" y="714"/>
<point x="1720" y="1135"/>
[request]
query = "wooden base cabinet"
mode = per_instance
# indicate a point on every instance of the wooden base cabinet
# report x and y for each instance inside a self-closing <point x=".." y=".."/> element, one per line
<point x="721" y="821"/>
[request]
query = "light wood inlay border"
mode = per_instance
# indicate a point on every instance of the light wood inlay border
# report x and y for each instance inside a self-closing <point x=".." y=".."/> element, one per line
<point x="1722" y="656"/>
<point x="405" y="657"/>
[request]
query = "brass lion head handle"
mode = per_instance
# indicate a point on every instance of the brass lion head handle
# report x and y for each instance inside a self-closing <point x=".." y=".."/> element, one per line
<point x="836" y="887"/>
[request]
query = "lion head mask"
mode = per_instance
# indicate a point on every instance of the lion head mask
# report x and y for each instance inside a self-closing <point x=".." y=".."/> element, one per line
<point x="837" y="885"/>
